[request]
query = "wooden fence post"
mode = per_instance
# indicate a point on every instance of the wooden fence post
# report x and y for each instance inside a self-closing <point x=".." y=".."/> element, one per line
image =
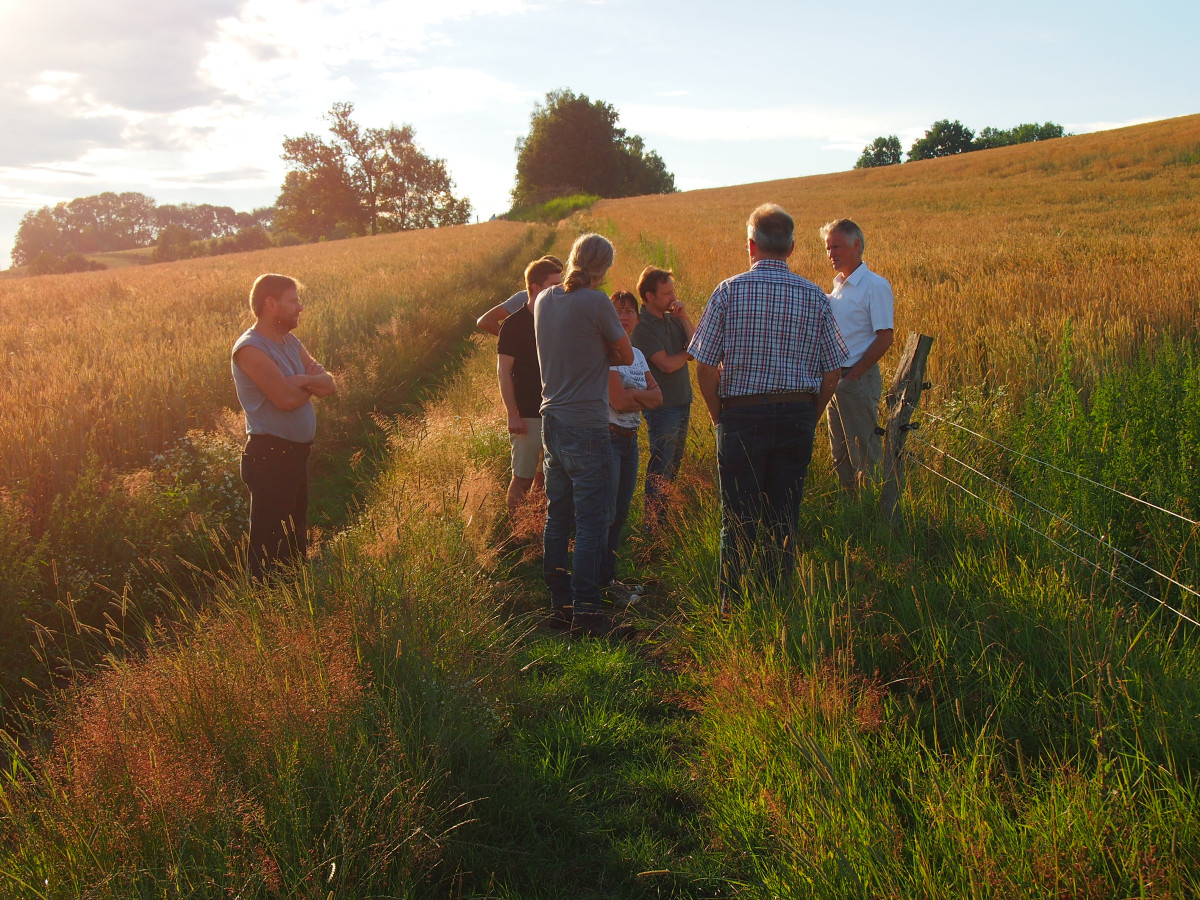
<point x="902" y="399"/>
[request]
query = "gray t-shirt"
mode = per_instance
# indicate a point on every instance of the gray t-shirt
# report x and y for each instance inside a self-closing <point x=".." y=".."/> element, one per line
<point x="572" y="331"/>
<point x="514" y="303"/>
<point x="263" y="416"/>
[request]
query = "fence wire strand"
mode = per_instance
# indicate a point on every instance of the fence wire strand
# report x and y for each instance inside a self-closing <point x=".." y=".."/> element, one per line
<point x="1050" y="465"/>
<point x="1059" y="545"/>
<point x="1099" y="540"/>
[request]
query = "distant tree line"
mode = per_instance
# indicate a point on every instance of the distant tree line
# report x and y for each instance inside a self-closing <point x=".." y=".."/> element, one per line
<point x="357" y="181"/>
<point x="57" y="237"/>
<point x="946" y="138"/>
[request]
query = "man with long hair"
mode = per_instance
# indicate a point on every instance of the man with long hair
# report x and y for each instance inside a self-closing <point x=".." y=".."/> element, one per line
<point x="579" y="335"/>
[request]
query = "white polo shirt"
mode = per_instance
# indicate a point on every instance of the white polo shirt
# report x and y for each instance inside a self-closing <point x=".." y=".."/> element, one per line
<point x="862" y="305"/>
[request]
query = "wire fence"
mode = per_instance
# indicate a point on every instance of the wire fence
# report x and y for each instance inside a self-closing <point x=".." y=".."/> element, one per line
<point x="1005" y="490"/>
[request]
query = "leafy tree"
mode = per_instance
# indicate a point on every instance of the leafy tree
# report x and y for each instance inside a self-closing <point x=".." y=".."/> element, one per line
<point x="945" y="138"/>
<point x="174" y="242"/>
<point x="39" y="234"/>
<point x="884" y="151"/>
<point x="1021" y="134"/>
<point x="95" y="224"/>
<point x="365" y="180"/>
<point x="203" y="220"/>
<point x="575" y="147"/>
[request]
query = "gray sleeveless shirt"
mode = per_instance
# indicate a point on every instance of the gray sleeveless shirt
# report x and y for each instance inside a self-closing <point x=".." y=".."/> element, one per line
<point x="263" y="416"/>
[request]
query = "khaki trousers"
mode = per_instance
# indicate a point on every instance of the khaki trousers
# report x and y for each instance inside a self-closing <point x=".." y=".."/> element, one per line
<point x="853" y="416"/>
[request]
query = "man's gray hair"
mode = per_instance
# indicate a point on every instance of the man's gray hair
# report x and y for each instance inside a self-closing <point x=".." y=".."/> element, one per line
<point x="771" y="229"/>
<point x="846" y="227"/>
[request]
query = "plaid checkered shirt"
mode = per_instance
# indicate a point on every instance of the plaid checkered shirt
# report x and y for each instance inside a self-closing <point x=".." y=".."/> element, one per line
<point x="772" y="330"/>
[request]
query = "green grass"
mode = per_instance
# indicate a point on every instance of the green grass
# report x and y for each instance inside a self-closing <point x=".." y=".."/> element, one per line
<point x="552" y="210"/>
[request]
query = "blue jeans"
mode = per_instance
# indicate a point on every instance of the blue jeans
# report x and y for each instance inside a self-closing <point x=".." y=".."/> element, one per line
<point x="763" y="454"/>
<point x="623" y="482"/>
<point x="667" y="430"/>
<point x="577" y="465"/>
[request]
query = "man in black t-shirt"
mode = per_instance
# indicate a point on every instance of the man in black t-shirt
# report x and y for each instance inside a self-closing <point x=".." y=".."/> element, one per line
<point x="521" y="383"/>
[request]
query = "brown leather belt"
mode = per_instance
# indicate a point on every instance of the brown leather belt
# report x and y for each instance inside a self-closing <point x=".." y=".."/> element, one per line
<point x="761" y="399"/>
<point x="622" y="432"/>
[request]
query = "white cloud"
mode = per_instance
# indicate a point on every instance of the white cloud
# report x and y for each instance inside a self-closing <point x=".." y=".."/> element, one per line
<point x="277" y="47"/>
<point x="448" y="91"/>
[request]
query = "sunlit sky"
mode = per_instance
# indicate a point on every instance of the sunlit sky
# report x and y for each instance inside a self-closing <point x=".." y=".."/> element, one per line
<point x="190" y="100"/>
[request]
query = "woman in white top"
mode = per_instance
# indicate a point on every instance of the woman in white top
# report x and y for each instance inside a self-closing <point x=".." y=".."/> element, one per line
<point x="631" y="389"/>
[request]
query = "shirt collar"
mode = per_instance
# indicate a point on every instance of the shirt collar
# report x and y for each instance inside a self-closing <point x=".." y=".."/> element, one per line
<point x="770" y="264"/>
<point x="853" y="279"/>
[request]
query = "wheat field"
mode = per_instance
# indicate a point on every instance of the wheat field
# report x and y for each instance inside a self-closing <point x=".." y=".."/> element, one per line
<point x="995" y="253"/>
<point x="115" y="365"/>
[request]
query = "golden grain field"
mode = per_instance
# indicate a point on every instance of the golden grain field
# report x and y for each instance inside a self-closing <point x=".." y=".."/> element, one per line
<point x="115" y="365"/>
<point x="993" y="252"/>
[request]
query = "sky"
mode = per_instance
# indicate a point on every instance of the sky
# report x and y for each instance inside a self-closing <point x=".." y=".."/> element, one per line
<point x="191" y="101"/>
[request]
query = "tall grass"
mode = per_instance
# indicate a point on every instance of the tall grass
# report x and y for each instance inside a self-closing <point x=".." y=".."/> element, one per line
<point x="118" y="467"/>
<point x="297" y="741"/>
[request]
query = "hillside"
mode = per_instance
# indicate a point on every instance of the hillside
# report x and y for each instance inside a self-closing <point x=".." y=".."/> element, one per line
<point x="988" y="700"/>
<point x="994" y="252"/>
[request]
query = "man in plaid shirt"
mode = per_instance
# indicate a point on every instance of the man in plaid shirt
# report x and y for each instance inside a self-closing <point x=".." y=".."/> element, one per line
<point x="768" y="358"/>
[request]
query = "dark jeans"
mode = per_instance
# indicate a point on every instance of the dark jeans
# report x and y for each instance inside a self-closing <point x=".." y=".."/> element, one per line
<point x="276" y="471"/>
<point x="666" y="430"/>
<point x="577" y="465"/>
<point x="623" y="482"/>
<point x="763" y="454"/>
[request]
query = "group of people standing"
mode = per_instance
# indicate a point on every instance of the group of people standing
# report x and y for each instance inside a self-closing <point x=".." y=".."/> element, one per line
<point x="578" y="370"/>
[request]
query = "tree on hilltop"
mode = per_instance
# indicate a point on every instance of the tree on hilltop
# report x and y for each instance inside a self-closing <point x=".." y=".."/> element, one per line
<point x="883" y="151"/>
<point x="945" y="138"/>
<point x="366" y="180"/>
<point x="574" y="146"/>
<point x="1020" y="134"/>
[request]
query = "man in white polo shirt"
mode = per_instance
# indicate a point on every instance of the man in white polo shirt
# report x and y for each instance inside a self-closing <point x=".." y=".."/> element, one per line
<point x="863" y="307"/>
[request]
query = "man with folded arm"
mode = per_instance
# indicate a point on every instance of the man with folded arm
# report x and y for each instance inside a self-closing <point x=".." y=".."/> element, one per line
<point x="276" y="379"/>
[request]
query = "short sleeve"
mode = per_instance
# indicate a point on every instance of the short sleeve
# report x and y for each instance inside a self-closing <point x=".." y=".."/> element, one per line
<point x="707" y="345"/>
<point x="514" y="303"/>
<point x="507" y="345"/>
<point x="831" y="347"/>
<point x="882" y="305"/>
<point x="609" y="321"/>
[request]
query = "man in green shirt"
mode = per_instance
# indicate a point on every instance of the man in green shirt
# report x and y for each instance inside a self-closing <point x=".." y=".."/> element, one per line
<point x="662" y="334"/>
